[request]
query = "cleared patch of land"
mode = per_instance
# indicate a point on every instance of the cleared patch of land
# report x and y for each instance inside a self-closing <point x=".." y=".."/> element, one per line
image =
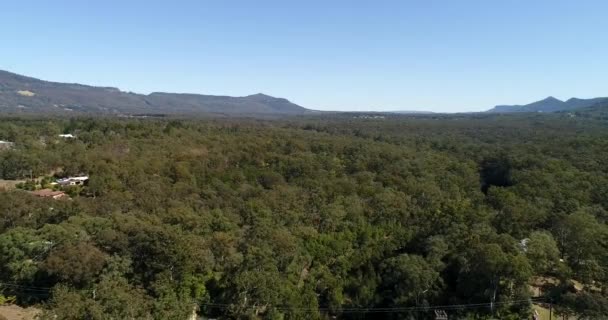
<point x="543" y="313"/>
<point x="9" y="184"/>
<point x="13" y="312"/>
<point x="26" y="93"/>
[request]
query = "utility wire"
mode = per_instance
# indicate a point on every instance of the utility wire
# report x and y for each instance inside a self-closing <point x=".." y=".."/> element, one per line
<point x="22" y="286"/>
<point x="325" y="309"/>
<point x="392" y="309"/>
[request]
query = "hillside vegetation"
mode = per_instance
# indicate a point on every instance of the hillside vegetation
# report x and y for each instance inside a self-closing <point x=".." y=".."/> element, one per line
<point x="309" y="218"/>
<point x="21" y="94"/>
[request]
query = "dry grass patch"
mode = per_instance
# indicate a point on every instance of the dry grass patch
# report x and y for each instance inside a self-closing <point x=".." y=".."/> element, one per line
<point x="26" y="93"/>
<point x="13" y="312"/>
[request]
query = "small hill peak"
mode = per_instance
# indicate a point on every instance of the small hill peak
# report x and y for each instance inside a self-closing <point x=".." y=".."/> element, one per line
<point x="260" y="95"/>
<point x="551" y="99"/>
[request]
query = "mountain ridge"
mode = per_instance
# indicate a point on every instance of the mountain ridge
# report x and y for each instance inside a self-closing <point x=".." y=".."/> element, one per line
<point x="19" y="93"/>
<point x="549" y="104"/>
<point x="25" y="94"/>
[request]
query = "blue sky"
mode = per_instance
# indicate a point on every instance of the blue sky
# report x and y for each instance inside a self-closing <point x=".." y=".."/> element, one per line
<point x="330" y="55"/>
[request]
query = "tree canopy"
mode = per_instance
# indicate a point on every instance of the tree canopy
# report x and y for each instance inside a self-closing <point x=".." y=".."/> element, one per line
<point x="307" y="218"/>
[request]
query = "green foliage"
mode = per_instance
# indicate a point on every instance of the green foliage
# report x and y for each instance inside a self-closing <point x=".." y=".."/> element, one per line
<point x="408" y="279"/>
<point x="543" y="253"/>
<point x="583" y="242"/>
<point x="110" y="299"/>
<point x="77" y="264"/>
<point x="307" y="218"/>
<point x="4" y="299"/>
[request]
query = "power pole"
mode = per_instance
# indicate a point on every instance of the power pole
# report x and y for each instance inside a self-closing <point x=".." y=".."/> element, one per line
<point x="550" y="308"/>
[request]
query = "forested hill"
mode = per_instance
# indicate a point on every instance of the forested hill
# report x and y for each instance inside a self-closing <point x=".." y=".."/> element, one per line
<point x="307" y="218"/>
<point x="20" y="94"/>
<point x="598" y="112"/>
<point x="551" y="104"/>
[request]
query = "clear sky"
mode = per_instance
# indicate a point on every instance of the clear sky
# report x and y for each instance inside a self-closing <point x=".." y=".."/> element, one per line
<point x="452" y="55"/>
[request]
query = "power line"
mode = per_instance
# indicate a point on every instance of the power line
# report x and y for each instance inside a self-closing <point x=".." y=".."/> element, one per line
<point x="29" y="289"/>
<point x="327" y="309"/>
<point x="22" y="286"/>
<point x="390" y="309"/>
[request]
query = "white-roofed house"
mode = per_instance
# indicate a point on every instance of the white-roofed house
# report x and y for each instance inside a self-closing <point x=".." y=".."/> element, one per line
<point x="73" y="181"/>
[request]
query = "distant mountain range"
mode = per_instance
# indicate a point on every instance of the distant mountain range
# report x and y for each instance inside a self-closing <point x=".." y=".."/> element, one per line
<point x="21" y="94"/>
<point x="550" y="104"/>
<point x="30" y="95"/>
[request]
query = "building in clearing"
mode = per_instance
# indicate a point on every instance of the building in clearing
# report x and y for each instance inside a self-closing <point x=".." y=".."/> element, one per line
<point x="4" y="145"/>
<point x="48" y="193"/>
<point x="67" y="136"/>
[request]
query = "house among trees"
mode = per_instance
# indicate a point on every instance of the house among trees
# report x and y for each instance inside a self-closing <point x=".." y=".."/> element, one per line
<point x="48" y="193"/>
<point x="4" y="145"/>
<point x="67" y="136"/>
<point x="73" y="181"/>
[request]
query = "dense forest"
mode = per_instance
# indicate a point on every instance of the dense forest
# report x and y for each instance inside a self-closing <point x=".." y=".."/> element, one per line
<point x="396" y="217"/>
